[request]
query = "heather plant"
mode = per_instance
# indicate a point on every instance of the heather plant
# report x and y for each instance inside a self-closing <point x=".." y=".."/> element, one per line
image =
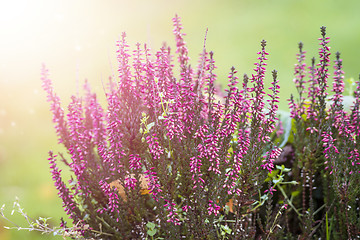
<point x="195" y="155"/>
<point x="325" y="148"/>
<point x="168" y="158"/>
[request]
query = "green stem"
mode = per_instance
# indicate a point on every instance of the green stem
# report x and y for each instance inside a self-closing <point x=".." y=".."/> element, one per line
<point x="289" y="202"/>
<point x="165" y="114"/>
<point x="327" y="226"/>
<point x="273" y="225"/>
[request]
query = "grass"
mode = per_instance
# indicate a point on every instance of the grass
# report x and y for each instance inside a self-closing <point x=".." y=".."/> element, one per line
<point x="24" y="171"/>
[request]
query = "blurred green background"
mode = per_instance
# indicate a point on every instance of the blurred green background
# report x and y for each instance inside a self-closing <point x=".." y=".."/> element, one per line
<point x="76" y="40"/>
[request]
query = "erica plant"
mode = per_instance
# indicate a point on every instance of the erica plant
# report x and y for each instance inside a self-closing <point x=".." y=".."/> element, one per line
<point x="325" y="146"/>
<point x="165" y="151"/>
<point x="168" y="158"/>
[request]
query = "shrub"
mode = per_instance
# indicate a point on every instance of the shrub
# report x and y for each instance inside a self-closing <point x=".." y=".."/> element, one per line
<point x="193" y="153"/>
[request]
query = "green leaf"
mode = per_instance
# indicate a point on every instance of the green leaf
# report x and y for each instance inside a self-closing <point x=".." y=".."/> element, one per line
<point x="286" y="169"/>
<point x="150" y="225"/>
<point x="275" y="181"/>
<point x="273" y="174"/>
<point x="280" y="167"/>
<point x="226" y="229"/>
<point x="283" y="168"/>
<point x="264" y="197"/>
<point x="150" y="125"/>
<point x="151" y="232"/>
<point x="295" y="193"/>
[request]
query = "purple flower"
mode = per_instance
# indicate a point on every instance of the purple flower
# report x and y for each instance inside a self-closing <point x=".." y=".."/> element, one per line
<point x="312" y="92"/>
<point x="272" y="119"/>
<point x="270" y="157"/>
<point x="337" y="113"/>
<point x="181" y="48"/>
<point x="134" y="161"/>
<point x="213" y="208"/>
<point x="155" y="149"/>
<point x="64" y="193"/>
<point x="300" y="73"/>
<point x="112" y="207"/>
<point x="153" y="183"/>
<point x="55" y="107"/>
<point x="355" y="113"/>
<point x="271" y="190"/>
<point x="172" y="212"/>
<point x="257" y="92"/>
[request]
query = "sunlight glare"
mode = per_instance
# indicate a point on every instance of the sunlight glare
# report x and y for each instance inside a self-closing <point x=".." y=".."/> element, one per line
<point x="12" y="12"/>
